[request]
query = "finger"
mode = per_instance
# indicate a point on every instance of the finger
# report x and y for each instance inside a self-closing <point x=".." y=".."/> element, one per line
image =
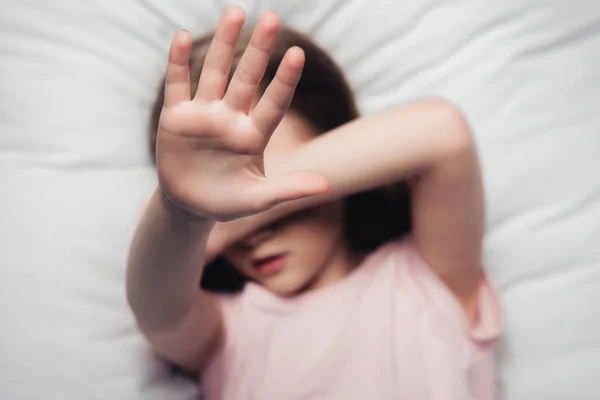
<point x="275" y="101"/>
<point x="252" y="65"/>
<point x="217" y="63"/>
<point x="291" y="186"/>
<point x="177" y="77"/>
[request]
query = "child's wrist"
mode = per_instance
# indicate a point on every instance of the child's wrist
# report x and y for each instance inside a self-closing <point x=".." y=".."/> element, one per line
<point x="180" y="213"/>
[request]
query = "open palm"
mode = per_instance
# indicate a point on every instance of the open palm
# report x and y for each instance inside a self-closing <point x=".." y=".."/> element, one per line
<point x="210" y="148"/>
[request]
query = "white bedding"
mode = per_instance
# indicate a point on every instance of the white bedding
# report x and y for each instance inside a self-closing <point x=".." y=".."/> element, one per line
<point x="77" y="80"/>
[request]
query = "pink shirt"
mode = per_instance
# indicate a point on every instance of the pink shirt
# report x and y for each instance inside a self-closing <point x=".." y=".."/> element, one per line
<point x="390" y="330"/>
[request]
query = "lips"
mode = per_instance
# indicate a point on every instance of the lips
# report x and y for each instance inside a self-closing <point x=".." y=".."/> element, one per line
<point x="269" y="264"/>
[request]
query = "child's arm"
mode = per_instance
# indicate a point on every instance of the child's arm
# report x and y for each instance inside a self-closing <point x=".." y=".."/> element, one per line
<point x="210" y="168"/>
<point x="427" y="143"/>
<point x="165" y="265"/>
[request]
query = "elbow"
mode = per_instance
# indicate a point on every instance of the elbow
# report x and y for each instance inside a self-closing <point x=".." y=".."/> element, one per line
<point x="448" y="131"/>
<point x="133" y="295"/>
<point x="442" y="119"/>
<point x="133" y="300"/>
<point x="453" y="124"/>
<point x="136" y="304"/>
<point x="444" y="136"/>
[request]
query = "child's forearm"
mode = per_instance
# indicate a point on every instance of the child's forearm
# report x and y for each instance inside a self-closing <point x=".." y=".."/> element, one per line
<point x="373" y="151"/>
<point x="382" y="149"/>
<point x="165" y="264"/>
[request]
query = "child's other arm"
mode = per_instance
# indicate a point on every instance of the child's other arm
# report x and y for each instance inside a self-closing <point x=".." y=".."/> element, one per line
<point x="209" y="166"/>
<point x="428" y="144"/>
<point x="166" y="257"/>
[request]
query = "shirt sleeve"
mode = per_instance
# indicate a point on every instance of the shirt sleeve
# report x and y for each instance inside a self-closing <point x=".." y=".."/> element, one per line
<point x="213" y="378"/>
<point x="447" y="338"/>
<point x="430" y="292"/>
<point x="490" y="321"/>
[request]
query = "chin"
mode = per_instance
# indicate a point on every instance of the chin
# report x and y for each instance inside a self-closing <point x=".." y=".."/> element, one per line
<point x="284" y="286"/>
<point x="283" y="290"/>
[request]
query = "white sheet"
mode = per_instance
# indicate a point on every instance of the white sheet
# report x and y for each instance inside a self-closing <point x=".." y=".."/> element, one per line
<point x="76" y="83"/>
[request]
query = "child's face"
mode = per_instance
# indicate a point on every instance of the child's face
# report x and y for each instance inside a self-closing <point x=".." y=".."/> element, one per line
<point x="300" y="252"/>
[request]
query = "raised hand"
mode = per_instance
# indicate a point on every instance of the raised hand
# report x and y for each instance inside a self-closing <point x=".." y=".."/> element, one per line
<point x="210" y="148"/>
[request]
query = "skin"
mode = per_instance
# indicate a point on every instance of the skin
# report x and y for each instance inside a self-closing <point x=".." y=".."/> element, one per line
<point x="312" y="241"/>
<point x="213" y="195"/>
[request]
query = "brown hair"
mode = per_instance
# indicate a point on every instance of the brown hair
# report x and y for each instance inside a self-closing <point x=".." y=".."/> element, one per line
<point x="324" y="98"/>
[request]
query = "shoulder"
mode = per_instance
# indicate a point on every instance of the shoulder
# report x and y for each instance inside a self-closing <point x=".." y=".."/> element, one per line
<point x="230" y="306"/>
<point x="229" y="303"/>
<point x="419" y="287"/>
<point x="399" y="255"/>
<point x="242" y="308"/>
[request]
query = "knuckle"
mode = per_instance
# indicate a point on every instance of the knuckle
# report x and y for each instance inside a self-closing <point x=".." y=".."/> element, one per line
<point x="246" y="77"/>
<point x="258" y="205"/>
<point x="279" y="104"/>
<point x="286" y="81"/>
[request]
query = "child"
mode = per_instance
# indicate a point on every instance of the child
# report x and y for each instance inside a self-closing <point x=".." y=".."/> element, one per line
<point x="273" y="176"/>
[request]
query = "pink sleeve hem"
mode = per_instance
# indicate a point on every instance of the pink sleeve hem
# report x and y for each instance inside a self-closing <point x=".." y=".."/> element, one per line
<point x="490" y="322"/>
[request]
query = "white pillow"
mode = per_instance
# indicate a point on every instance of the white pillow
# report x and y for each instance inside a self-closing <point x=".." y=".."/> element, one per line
<point x="77" y="80"/>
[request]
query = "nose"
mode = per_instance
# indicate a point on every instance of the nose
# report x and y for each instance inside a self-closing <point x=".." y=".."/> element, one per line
<point x="258" y="237"/>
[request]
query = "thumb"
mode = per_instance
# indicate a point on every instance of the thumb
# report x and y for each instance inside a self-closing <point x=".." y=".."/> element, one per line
<point x="291" y="186"/>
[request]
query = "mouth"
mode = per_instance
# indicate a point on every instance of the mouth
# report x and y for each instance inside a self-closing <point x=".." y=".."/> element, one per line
<point x="271" y="264"/>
